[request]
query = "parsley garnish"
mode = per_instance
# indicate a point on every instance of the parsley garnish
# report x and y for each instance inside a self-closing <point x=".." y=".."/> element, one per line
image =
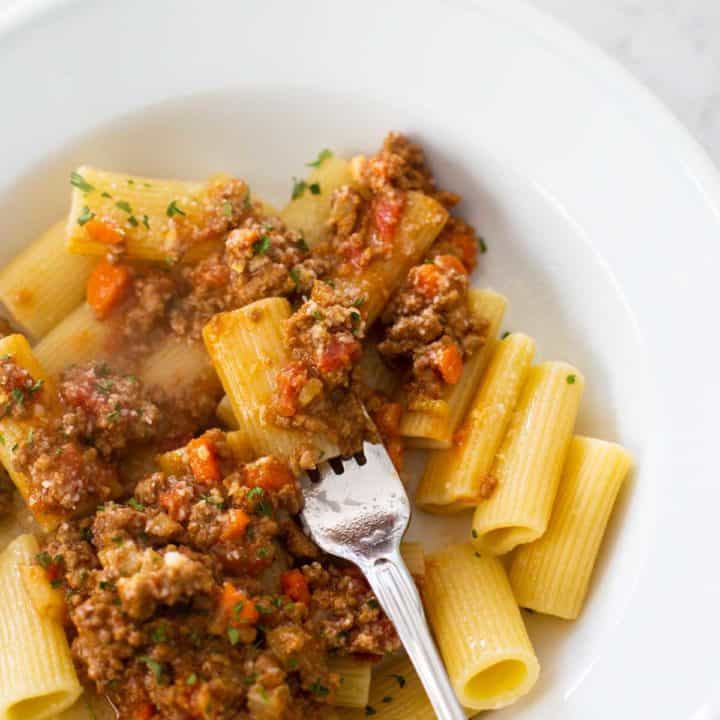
<point x="256" y="492"/>
<point x="123" y="205"/>
<point x="18" y="396"/>
<point x="373" y="604"/>
<point x="105" y="585"/>
<point x="370" y="710"/>
<point x="36" y="386"/>
<point x="298" y="188"/>
<point x="29" y="441"/>
<point x="86" y="216"/>
<point x="571" y="379"/>
<point x="78" y="181"/>
<point x="317" y="315"/>
<point x="262" y="552"/>
<point x="355" y="317"/>
<point x="132" y="221"/>
<point x="157" y="668"/>
<point x="104" y="386"/>
<point x="387" y="699"/>
<point x="261" y="246"/>
<point x="358" y="301"/>
<point x="227" y="209"/>
<point x="505" y="334"/>
<point x="295" y="276"/>
<point x="113" y="416"/>
<point x="106" y="195"/>
<point x="237" y="608"/>
<point x="474" y="532"/>
<point x="159" y="634"/>
<point x="317" y="688"/>
<point x="247" y="202"/>
<point x="314" y="188"/>
<point x="44" y="559"/>
<point x="146" y="221"/>
<point x="400" y="680"/>
<point x="478" y="555"/>
<point x="233" y="636"/>
<point x="192" y="679"/>
<point x="133" y="503"/>
<point x="482" y="245"/>
<point x="213" y="500"/>
<point x="130" y="181"/>
<point x="303" y="245"/>
<point x="173" y="209"/>
<point x="292" y="663"/>
<point x="2" y="439"/>
<point x="322" y="156"/>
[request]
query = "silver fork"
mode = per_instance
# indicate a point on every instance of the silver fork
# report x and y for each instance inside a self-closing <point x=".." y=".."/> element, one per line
<point x="358" y="510"/>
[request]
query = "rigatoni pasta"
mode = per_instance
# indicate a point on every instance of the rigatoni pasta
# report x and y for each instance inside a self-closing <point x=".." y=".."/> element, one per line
<point x="37" y="676"/>
<point x="478" y="628"/>
<point x="458" y="477"/>
<point x="528" y="465"/>
<point x="552" y="574"/>
<point x="434" y="427"/>
<point x="44" y="283"/>
<point x="354" y="681"/>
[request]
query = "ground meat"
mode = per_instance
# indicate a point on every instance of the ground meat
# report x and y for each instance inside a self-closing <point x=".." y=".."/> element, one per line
<point x="428" y="323"/>
<point x="18" y="390"/>
<point x="183" y="603"/>
<point x="106" y="409"/>
<point x="7" y="490"/>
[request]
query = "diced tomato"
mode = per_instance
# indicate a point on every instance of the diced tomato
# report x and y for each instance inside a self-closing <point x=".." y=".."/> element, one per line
<point x="396" y="451"/>
<point x="426" y="279"/>
<point x="235" y="526"/>
<point x="387" y="418"/>
<point x="107" y="286"/>
<point x="467" y="248"/>
<point x="290" y="381"/>
<point x="449" y="363"/>
<point x="338" y="353"/>
<point x="173" y="502"/>
<point x="203" y="461"/>
<point x="103" y="232"/>
<point x="295" y="586"/>
<point x="236" y="607"/>
<point x="268" y="473"/>
<point x="387" y="212"/>
<point x="450" y="262"/>
<point x="55" y="571"/>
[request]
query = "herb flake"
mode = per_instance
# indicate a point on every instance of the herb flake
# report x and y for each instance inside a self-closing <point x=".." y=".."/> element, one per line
<point x="323" y="155"/>
<point x="79" y="182"/>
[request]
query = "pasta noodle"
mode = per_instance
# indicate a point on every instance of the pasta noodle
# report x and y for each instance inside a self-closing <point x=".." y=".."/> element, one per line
<point x="552" y="574"/>
<point x="414" y="557"/>
<point x="247" y="349"/>
<point x="454" y="478"/>
<point x="354" y="686"/>
<point x="528" y="465"/>
<point x="309" y="211"/>
<point x="435" y="428"/>
<point x="174" y="462"/>
<point x="43" y="284"/>
<point x="479" y="628"/>
<point x="225" y="413"/>
<point x="37" y="677"/>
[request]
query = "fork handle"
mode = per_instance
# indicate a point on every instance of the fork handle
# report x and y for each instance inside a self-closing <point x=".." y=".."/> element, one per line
<point x="395" y="588"/>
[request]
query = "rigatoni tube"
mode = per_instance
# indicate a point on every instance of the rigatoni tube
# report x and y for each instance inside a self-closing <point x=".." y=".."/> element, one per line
<point x="529" y="463"/>
<point x="456" y="478"/>
<point x="479" y="628"/>
<point x="552" y="574"/>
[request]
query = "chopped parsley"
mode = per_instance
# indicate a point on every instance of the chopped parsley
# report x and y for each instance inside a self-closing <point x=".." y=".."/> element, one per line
<point x="85" y="216"/>
<point x="295" y="276"/>
<point x="400" y="679"/>
<point x="317" y="315"/>
<point x="387" y="699"/>
<point x="317" y="688"/>
<point x="264" y="508"/>
<point x="355" y="317"/>
<point x="159" y="634"/>
<point x="211" y="500"/>
<point x="298" y="188"/>
<point x="29" y="442"/>
<point x="123" y="205"/>
<point x="173" y="209"/>
<point x="359" y="301"/>
<point x="105" y="585"/>
<point x="314" y="188"/>
<point x="106" y="195"/>
<point x="227" y="209"/>
<point x="233" y="636"/>
<point x="477" y="554"/>
<point x="36" y="386"/>
<point x="104" y="386"/>
<point x="118" y="540"/>
<point x="43" y="558"/>
<point x="18" y="396"/>
<point x="571" y="379"/>
<point x="192" y="679"/>
<point x="373" y="604"/>
<point x="133" y="503"/>
<point x="158" y="669"/>
<point x="132" y="221"/>
<point x="247" y="202"/>
<point x="292" y="663"/>
<point x="237" y="608"/>
<point x="302" y="244"/>
<point x="262" y="552"/>
<point x="113" y="416"/>
<point x="482" y="245"/>
<point x="2" y="439"/>
<point x="261" y="246"/>
<point x="322" y="156"/>
<point x="474" y="532"/>
<point x="505" y="334"/>
<point x="254" y="493"/>
<point x="78" y="181"/>
<point x="370" y="710"/>
<point x="146" y="221"/>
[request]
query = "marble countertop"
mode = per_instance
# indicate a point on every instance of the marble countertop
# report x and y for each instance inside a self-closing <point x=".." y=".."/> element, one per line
<point x="672" y="46"/>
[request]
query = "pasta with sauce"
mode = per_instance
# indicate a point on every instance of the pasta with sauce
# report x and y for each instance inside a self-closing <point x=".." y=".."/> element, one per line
<point x="200" y="352"/>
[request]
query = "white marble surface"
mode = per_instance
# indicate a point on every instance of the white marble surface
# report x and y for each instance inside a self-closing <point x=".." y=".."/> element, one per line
<point x="673" y="46"/>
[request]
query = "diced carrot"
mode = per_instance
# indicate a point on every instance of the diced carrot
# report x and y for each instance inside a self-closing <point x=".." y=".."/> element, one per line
<point x="203" y="461"/>
<point x="236" y="607"/>
<point x="268" y="473"/>
<point x="388" y="417"/>
<point x="396" y="451"/>
<point x="107" y="286"/>
<point x="338" y="353"/>
<point x="103" y="232"/>
<point x="144" y="711"/>
<point x="426" y="279"/>
<point x="449" y="363"/>
<point x="235" y="526"/>
<point x="290" y="381"/>
<point x="467" y="248"/>
<point x="173" y="502"/>
<point x="295" y="586"/>
<point x="450" y="262"/>
<point x="387" y="212"/>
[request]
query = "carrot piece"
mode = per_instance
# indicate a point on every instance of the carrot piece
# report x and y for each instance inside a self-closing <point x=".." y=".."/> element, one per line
<point x="450" y="262"/>
<point x="426" y="279"/>
<point x="103" y="232"/>
<point x="387" y="213"/>
<point x="449" y="363"/>
<point x="107" y="286"/>
<point x="268" y="473"/>
<point x="236" y="607"/>
<point x="295" y="586"/>
<point x="145" y="711"/>
<point x="467" y="248"/>
<point x="203" y="461"/>
<point x="338" y="354"/>
<point x="235" y="526"/>
<point x="290" y="381"/>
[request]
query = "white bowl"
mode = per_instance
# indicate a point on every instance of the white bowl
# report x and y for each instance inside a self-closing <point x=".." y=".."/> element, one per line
<point x="601" y="215"/>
